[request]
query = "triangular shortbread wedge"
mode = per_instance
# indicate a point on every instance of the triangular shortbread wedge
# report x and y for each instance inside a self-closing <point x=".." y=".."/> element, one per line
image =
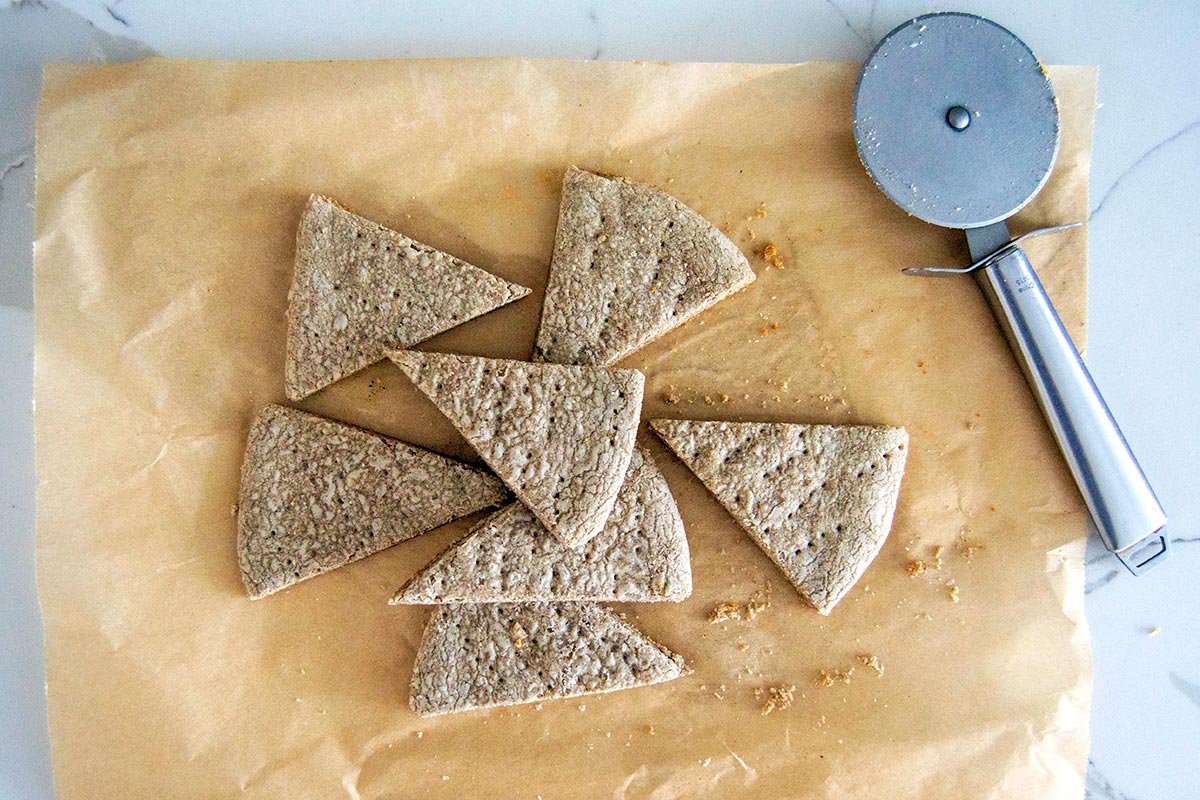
<point x="359" y="289"/>
<point x="561" y="437"/>
<point x="317" y="494"/>
<point x="640" y="556"/>
<point x="502" y="654"/>
<point x="630" y="263"/>
<point x="818" y="499"/>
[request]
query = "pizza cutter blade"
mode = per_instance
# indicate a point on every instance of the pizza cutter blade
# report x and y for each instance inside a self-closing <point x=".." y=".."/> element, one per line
<point x="956" y="121"/>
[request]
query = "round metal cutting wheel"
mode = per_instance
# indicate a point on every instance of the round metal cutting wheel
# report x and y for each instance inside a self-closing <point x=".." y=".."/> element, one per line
<point x="955" y="120"/>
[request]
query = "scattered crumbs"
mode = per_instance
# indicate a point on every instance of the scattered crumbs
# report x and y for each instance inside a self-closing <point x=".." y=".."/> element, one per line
<point x="720" y="692"/>
<point x="729" y="610"/>
<point x="724" y="611"/>
<point x="669" y="396"/>
<point x="743" y="647"/>
<point x="966" y="549"/>
<point x="649" y="730"/>
<point x="937" y="557"/>
<point x="872" y="662"/>
<point x="970" y="425"/>
<point x="518" y="635"/>
<point x="756" y="607"/>
<point x="778" y="698"/>
<point x="953" y="594"/>
<point x="1155" y="631"/>
<point x="726" y="399"/>
<point x="764" y="331"/>
<point x="761" y="211"/>
<point x="774" y="326"/>
<point x="751" y="233"/>
<point x="827" y="678"/>
<point x="917" y="567"/>
<point x="708" y="401"/>
<point x="770" y="254"/>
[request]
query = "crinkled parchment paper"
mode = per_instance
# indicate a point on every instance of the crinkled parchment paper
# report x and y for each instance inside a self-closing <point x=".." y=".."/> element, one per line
<point x="168" y="194"/>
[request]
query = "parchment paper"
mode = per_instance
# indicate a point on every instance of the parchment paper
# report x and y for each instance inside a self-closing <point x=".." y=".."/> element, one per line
<point x="168" y="197"/>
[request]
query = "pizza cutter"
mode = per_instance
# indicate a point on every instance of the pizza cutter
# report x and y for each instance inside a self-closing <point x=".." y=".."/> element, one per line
<point x="957" y="122"/>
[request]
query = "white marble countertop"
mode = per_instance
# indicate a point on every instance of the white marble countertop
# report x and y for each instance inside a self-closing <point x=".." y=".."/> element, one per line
<point x="1144" y="339"/>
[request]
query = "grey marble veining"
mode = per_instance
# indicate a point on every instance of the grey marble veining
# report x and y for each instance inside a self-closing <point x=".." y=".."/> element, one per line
<point x="1144" y="329"/>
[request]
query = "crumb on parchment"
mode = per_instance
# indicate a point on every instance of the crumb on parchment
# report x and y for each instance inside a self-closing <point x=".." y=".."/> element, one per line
<point x="754" y="608"/>
<point x="770" y="254"/>
<point x="649" y="730"/>
<point x="937" y="557"/>
<point x="917" y="567"/>
<point x="761" y="211"/>
<point x="778" y="698"/>
<point x="830" y="677"/>
<point x="967" y="549"/>
<point x="1155" y="631"/>
<point x="724" y="611"/>
<point x="872" y="662"/>
<point x="953" y="593"/>
<point x="729" y="610"/>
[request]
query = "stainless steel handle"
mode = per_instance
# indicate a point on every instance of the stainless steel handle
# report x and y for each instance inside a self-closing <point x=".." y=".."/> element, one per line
<point x="1116" y="491"/>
